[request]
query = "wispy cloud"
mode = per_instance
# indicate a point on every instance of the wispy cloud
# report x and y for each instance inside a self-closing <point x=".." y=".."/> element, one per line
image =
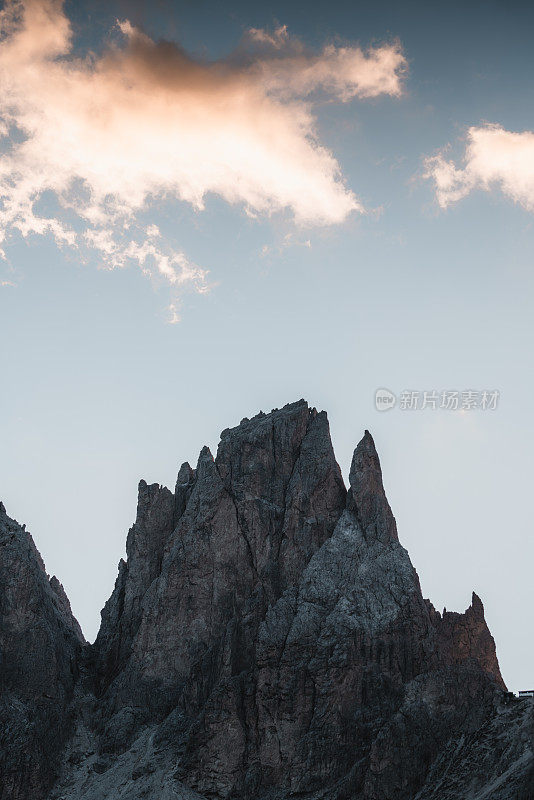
<point x="494" y="158"/>
<point x="342" y="72"/>
<point x="107" y="136"/>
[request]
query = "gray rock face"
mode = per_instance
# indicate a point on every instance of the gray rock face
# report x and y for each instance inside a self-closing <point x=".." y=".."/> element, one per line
<point x="267" y="637"/>
<point x="145" y="545"/>
<point x="246" y="524"/>
<point x="40" y="647"/>
<point x="495" y="760"/>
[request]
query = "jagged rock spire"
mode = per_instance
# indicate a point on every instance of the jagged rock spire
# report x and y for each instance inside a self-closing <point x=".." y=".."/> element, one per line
<point x="366" y="497"/>
<point x="466" y="638"/>
<point x="182" y="491"/>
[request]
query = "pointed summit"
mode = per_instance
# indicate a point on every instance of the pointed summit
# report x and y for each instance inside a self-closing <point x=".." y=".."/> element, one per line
<point x="465" y="638"/>
<point x="477" y="606"/>
<point x="205" y="456"/>
<point x="186" y="474"/>
<point x="367" y="498"/>
<point x="182" y="491"/>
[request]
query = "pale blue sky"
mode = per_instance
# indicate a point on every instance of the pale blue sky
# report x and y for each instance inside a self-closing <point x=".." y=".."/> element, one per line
<point x="100" y="390"/>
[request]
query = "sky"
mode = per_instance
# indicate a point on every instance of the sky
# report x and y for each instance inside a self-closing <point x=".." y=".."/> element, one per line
<point x="210" y="209"/>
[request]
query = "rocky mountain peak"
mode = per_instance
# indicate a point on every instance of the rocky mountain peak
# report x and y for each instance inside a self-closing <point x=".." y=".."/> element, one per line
<point x="266" y="637"/>
<point x="186" y="475"/>
<point x="476" y="608"/>
<point x="182" y="491"/>
<point x="366" y="497"/>
<point x="466" y="638"/>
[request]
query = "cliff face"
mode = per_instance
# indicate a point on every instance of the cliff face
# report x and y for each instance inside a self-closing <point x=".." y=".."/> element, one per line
<point x="267" y="637"/>
<point x="40" y="645"/>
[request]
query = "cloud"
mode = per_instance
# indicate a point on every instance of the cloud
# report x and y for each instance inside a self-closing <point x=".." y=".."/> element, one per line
<point x="277" y="39"/>
<point x="90" y="144"/>
<point x="494" y="157"/>
<point x="342" y="72"/>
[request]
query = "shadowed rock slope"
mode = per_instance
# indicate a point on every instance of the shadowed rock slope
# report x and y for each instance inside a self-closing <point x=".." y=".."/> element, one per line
<point x="40" y="647"/>
<point x="266" y="638"/>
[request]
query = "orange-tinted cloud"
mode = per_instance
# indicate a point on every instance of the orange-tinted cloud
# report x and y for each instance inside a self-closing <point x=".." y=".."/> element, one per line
<point x="106" y="135"/>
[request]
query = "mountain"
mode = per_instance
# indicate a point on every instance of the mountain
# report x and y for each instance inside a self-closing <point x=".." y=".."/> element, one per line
<point x="266" y="638"/>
